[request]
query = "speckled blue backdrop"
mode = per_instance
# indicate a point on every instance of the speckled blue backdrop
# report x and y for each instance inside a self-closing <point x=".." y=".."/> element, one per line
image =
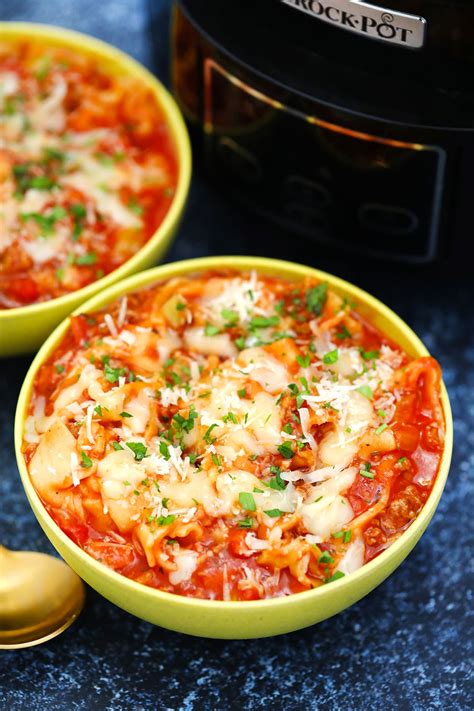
<point x="408" y="645"/>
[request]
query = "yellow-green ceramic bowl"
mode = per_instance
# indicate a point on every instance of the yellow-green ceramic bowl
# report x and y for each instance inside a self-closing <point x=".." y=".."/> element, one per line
<point x="22" y="330"/>
<point x="235" y="620"/>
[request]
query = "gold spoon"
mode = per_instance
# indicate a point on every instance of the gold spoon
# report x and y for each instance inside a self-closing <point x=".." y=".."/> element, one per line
<point x="40" y="596"/>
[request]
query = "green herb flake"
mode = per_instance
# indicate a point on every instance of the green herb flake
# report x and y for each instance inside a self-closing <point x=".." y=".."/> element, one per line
<point x="381" y="428"/>
<point x="366" y="391"/>
<point x="59" y="368"/>
<point x="112" y="375"/>
<point x="245" y="523"/>
<point x="286" y="450"/>
<point x="86" y="259"/>
<point x="343" y="333"/>
<point x="117" y="446"/>
<point x="139" y="450"/>
<point x="247" y="501"/>
<point x="273" y="513"/>
<point x="325" y="557"/>
<point x="276" y="482"/>
<point x="164" y="450"/>
<point x="369" y="355"/>
<point x="263" y="322"/>
<point x="337" y="576"/>
<point x="316" y="298"/>
<point x="210" y="330"/>
<point x="86" y="461"/>
<point x="230" y="316"/>
<point x="125" y="414"/>
<point x="207" y="435"/>
<point x="303" y="361"/>
<point x="331" y="357"/>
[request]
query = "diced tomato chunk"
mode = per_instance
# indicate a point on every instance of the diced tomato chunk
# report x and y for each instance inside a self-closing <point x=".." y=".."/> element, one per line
<point x="22" y="289"/>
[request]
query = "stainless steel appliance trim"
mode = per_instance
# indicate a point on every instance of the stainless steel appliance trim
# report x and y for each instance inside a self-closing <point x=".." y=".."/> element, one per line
<point x="365" y="19"/>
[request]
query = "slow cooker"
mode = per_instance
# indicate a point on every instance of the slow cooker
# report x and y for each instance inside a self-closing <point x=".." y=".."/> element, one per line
<point x="349" y="123"/>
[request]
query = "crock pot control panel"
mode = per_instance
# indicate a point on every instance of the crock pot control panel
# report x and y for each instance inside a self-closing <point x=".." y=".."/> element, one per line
<point x="333" y="184"/>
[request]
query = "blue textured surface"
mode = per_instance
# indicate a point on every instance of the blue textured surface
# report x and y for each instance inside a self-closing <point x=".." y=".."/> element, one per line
<point x="408" y="645"/>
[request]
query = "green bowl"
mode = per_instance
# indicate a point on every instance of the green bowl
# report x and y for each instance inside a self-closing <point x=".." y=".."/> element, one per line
<point x="23" y="329"/>
<point x="235" y="620"/>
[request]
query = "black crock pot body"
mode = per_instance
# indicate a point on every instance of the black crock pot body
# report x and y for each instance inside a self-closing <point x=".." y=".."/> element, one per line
<point x="348" y="123"/>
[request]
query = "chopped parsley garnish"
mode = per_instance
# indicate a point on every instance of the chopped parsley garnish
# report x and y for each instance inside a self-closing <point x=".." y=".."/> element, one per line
<point x="273" y="513"/>
<point x="382" y="414"/>
<point x="366" y="471"/>
<point x="86" y="461"/>
<point x="242" y="392"/>
<point x="230" y="417"/>
<point x="247" y="501"/>
<point x="116" y="446"/>
<point x="139" y="450"/>
<point x="366" y="391"/>
<point x="207" y="434"/>
<point x="240" y="343"/>
<point x="164" y="450"/>
<point x="125" y="414"/>
<point x="113" y="374"/>
<point x="45" y="222"/>
<point x="210" y="330"/>
<point x="303" y="361"/>
<point x="165" y="520"/>
<point x="325" y="557"/>
<point x="257" y="491"/>
<point x="331" y="357"/>
<point x="288" y="428"/>
<point x="316" y="298"/>
<point x="216" y="459"/>
<point x="98" y="410"/>
<point x="343" y="333"/>
<point x="59" y="368"/>
<point x="86" y="259"/>
<point x="263" y="322"/>
<point x="181" y="424"/>
<point x="245" y="523"/>
<point x="135" y="206"/>
<point x="276" y="482"/>
<point x="337" y="575"/>
<point x="286" y="450"/>
<point x="369" y="355"/>
<point x="230" y="316"/>
<point x="78" y="210"/>
<point x="381" y="428"/>
<point x="347" y="536"/>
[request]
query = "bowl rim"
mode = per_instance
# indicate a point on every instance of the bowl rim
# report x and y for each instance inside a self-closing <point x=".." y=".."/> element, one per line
<point x="20" y="31"/>
<point x="240" y="263"/>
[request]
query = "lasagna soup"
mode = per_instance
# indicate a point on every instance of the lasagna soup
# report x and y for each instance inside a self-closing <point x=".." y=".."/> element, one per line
<point x="233" y="436"/>
<point x="87" y="171"/>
